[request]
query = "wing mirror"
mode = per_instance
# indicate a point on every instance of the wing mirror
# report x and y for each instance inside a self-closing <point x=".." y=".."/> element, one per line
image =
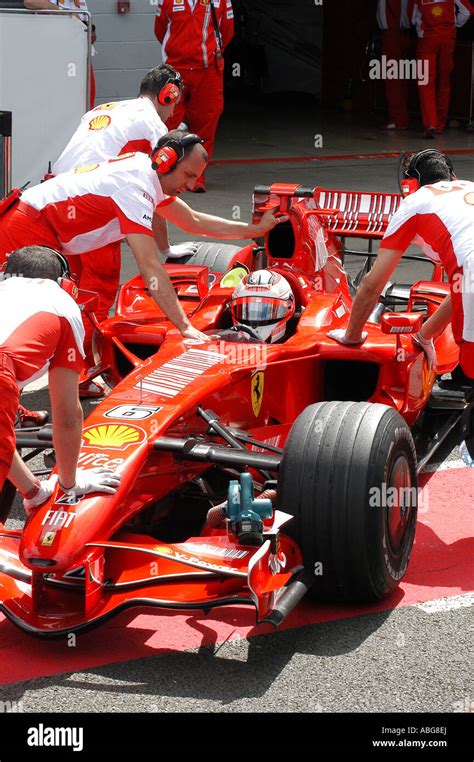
<point x="401" y="322"/>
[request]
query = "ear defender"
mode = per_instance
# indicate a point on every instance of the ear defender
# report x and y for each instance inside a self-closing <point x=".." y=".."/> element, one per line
<point x="168" y="153"/>
<point x="169" y="94"/>
<point x="164" y="159"/>
<point x="409" y="185"/>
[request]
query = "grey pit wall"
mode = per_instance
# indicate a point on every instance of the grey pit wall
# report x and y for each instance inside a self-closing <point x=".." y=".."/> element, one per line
<point x="126" y="47"/>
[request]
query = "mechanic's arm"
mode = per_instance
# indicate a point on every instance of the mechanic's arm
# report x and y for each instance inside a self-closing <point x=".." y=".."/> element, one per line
<point x="67" y="437"/>
<point x="67" y="422"/>
<point x="369" y="291"/>
<point x="438" y="321"/>
<point x="160" y="233"/>
<point x="198" y="223"/>
<point x="160" y="287"/>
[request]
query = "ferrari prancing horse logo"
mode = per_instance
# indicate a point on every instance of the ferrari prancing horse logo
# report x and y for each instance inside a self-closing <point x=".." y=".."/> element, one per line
<point x="257" y="383"/>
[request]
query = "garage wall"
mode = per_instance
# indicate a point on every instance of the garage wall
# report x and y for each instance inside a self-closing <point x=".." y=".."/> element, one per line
<point x="126" y="47"/>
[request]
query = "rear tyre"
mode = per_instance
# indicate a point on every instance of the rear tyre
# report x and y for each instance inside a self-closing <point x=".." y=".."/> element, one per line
<point x="216" y="256"/>
<point x="349" y="478"/>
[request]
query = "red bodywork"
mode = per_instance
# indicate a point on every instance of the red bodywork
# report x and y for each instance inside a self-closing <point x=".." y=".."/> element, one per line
<point x="160" y="395"/>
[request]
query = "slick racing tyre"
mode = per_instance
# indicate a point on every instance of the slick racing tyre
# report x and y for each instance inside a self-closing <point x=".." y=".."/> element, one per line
<point x="349" y="478"/>
<point x="216" y="256"/>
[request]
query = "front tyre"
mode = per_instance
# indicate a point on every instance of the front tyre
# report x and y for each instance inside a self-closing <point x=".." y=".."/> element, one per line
<point x="349" y="478"/>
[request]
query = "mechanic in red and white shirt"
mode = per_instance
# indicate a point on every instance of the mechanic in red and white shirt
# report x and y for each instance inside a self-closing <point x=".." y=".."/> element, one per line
<point x="107" y="131"/>
<point x="392" y="18"/>
<point x="436" y="22"/>
<point x="193" y="35"/>
<point x="440" y="218"/>
<point x="68" y="5"/>
<point x="41" y="332"/>
<point x="95" y="205"/>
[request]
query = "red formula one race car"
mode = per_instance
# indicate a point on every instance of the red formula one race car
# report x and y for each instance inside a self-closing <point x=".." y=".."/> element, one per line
<point x="251" y="473"/>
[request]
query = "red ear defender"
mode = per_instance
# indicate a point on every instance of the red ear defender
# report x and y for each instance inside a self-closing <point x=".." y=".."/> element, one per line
<point x="169" y="94"/>
<point x="164" y="159"/>
<point x="409" y="185"/>
<point x="69" y="287"/>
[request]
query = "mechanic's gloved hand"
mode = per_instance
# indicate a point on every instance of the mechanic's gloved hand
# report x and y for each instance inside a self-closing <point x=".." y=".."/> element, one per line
<point x="192" y="333"/>
<point x="428" y="348"/>
<point x="45" y="491"/>
<point x="95" y="480"/>
<point x="180" y="250"/>
<point x="339" y="335"/>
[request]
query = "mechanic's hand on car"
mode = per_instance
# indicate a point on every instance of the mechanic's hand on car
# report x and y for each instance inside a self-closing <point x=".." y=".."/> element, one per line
<point x="269" y="221"/>
<point x="181" y="250"/>
<point x="192" y="333"/>
<point x="339" y="335"/>
<point x="45" y="491"/>
<point x="428" y="348"/>
<point x="95" y="480"/>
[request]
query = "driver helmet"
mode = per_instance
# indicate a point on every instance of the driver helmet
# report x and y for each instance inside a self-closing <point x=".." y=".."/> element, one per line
<point x="263" y="302"/>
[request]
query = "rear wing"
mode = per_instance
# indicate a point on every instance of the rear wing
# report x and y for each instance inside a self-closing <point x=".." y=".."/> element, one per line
<point x="356" y="214"/>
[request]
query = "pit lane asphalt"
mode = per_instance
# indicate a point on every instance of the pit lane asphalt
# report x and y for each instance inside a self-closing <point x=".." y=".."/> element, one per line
<point x="404" y="660"/>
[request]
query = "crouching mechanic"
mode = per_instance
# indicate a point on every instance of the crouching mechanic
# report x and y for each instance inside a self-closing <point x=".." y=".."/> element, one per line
<point x="95" y="205"/>
<point x="108" y="131"/>
<point x="41" y="330"/>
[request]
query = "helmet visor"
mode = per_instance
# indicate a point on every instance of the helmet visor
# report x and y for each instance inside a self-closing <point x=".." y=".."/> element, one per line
<point x="256" y="310"/>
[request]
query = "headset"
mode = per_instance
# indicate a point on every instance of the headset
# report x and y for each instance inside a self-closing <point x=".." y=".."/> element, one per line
<point x="65" y="280"/>
<point x="170" y="92"/>
<point x="170" y="151"/>
<point x="411" y="180"/>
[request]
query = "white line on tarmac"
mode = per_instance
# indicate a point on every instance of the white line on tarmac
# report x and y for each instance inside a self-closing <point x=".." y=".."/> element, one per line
<point x="464" y="601"/>
<point x="448" y="464"/>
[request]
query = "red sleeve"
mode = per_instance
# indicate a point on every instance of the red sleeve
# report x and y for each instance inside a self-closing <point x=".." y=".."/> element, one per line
<point x="67" y="354"/>
<point x="161" y="22"/>
<point x="227" y="23"/>
<point x="402" y="237"/>
<point x="166" y="201"/>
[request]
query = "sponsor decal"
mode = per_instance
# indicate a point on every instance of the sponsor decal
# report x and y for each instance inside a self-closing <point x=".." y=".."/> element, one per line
<point x="194" y="561"/>
<point x="113" y="436"/>
<point x="67" y="499"/>
<point x="105" y="107"/>
<point x="148" y="197"/>
<point x="276" y="562"/>
<point x="98" y="459"/>
<point x="437" y="11"/>
<point x="175" y="375"/>
<point x="257" y="383"/>
<point x="87" y="168"/>
<point x="132" y="412"/>
<point x="469" y="198"/>
<point x="99" y="122"/>
<point x="48" y="539"/>
<point x="213" y="550"/>
<point x="58" y="519"/>
<point x="147" y="218"/>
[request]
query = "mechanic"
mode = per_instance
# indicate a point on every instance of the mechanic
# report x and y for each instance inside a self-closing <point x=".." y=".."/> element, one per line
<point x="111" y="130"/>
<point x="392" y="18"/>
<point x="436" y="22"/>
<point x="95" y="205"/>
<point x="439" y="215"/>
<point x="41" y="330"/>
<point x="69" y="5"/>
<point x="193" y="35"/>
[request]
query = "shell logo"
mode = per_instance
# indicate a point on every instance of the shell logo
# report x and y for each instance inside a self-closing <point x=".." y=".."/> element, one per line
<point x="100" y="122"/>
<point x="113" y="436"/>
<point x="87" y="168"/>
<point x="469" y="198"/>
<point x="437" y="11"/>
